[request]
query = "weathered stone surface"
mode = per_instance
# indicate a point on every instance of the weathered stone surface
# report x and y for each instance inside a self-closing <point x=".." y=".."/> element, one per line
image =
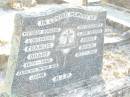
<point x="57" y="48"/>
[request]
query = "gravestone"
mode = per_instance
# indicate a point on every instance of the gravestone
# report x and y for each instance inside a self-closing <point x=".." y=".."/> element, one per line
<point x="57" y="48"/>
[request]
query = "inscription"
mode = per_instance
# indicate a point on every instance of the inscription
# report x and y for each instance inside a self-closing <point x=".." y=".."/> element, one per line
<point x="66" y="15"/>
<point x="87" y="46"/>
<point x="38" y="55"/>
<point x="61" y="77"/>
<point x="39" y="47"/>
<point x="37" y="76"/>
<point x="90" y="32"/>
<point x="90" y="26"/>
<point x="37" y="62"/>
<point x="34" y="70"/>
<point x="41" y="32"/>
<point x="88" y="39"/>
<point x="40" y="39"/>
<point x="85" y="53"/>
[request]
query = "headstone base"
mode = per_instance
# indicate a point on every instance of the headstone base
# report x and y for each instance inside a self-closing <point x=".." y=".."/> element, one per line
<point x="95" y="87"/>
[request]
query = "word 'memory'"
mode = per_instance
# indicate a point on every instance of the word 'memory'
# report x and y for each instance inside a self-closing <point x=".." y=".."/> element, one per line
<point x="66" y="15"/>
<point x="38" y="69"/>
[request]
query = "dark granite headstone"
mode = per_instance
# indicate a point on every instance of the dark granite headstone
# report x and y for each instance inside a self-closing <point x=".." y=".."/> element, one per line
<point x="59" y="46"/>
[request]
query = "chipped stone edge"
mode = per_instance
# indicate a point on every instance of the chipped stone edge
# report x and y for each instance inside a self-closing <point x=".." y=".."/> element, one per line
<point x="12" y="62"/>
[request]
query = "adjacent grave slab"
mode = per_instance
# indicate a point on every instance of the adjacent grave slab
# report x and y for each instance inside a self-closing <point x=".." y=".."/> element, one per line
<point x="59" y="47"/>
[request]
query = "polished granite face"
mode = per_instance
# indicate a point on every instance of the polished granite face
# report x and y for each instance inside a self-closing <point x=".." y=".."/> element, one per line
<point x="58" y="49"/>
